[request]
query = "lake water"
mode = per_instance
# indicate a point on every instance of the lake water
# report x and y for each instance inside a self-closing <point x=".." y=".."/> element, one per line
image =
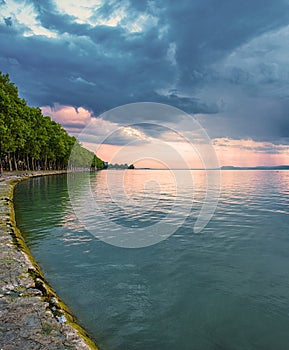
<point x="226" y="287"/>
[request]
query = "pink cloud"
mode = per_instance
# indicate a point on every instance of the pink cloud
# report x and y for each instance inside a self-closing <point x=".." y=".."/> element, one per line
<point x="229" y="151"/>
<point x="250" y="153"/>
<point x="68" y="115"/>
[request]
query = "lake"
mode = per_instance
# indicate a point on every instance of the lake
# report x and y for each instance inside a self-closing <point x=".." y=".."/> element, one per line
<point x="226" y="287"/>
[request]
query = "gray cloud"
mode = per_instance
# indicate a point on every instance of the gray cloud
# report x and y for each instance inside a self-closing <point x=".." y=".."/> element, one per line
<point x="8" y="21"/>
<point x="226" y="60"/>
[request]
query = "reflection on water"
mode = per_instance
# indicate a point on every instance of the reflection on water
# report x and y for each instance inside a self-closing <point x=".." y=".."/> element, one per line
<point x="132" y="209"/>
<point x="135" y="199"/>
<point x="225" y="288"/>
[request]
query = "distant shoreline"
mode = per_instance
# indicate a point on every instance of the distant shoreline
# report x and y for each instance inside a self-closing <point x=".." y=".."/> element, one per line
<point x="19" y="174"/>
<point x="279" y="167"/>
<point x="273" y="167"/>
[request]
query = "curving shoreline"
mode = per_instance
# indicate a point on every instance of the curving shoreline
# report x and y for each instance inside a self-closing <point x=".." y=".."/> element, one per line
<point x="32" y="315"/>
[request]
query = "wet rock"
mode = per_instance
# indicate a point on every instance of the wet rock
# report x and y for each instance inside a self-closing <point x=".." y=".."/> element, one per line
<point x="61" y="319"/>
<point x="26" y="319"/>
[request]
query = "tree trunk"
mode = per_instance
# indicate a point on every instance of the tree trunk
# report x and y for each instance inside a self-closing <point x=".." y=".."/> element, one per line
<point x="15" y="161"/>
<point x="27" y="161"/>
<point x="9" y="162"/>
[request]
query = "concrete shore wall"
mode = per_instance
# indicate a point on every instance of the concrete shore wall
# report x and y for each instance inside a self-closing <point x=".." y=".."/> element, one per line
<point x="32" y="316"/>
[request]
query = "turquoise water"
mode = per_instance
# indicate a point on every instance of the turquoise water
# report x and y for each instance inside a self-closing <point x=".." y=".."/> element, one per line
<point x="224" y="288"/>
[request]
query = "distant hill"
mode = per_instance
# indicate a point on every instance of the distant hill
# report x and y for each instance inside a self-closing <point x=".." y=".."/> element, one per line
<point x="275" y="167"/>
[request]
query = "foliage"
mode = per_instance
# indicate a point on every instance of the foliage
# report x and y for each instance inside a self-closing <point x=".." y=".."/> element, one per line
<point x="31" y="141"/>
<point x="118" y="166"/>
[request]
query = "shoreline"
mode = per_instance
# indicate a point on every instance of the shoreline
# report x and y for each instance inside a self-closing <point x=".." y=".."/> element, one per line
<point x="32" y="315"/>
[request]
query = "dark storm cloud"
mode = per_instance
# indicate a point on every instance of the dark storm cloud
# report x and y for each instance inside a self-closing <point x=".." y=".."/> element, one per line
<point x="8" y="21"/>
<point x="178" y="58"/>
<point x="216" y="27"/>
<point x="262" y="119"/>
<point x="61" y="23"/>
<point x="118" y="69"/>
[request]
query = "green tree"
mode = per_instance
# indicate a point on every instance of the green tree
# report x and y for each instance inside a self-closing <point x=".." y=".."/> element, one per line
<point x="29" y="140"/>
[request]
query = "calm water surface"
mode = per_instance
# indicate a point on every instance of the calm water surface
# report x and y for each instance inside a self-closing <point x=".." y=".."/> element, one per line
<point x="225" y="288"/>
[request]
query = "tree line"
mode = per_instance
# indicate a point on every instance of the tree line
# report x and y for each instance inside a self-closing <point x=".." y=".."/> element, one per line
<point x="31" y="141"/>
<point x="120" y="166"/>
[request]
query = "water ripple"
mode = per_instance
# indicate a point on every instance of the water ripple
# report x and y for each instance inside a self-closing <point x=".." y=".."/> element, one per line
<point x="225" y="288"/>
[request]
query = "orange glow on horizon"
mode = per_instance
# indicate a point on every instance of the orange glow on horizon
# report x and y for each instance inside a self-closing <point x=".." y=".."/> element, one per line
<point x="250" y="153"/>
<point x="228" y="151"/>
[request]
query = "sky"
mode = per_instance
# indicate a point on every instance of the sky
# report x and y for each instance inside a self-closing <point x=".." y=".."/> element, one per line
<point x="223" y="63"/>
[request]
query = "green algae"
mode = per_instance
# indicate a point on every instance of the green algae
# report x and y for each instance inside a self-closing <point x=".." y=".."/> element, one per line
<point x="55" y="303"/>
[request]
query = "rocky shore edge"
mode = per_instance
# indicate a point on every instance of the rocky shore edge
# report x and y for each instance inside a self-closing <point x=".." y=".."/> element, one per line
<point x="32" y="316"/>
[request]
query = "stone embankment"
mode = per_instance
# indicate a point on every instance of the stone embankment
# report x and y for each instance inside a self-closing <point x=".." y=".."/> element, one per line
<point x="31" y="314"/>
